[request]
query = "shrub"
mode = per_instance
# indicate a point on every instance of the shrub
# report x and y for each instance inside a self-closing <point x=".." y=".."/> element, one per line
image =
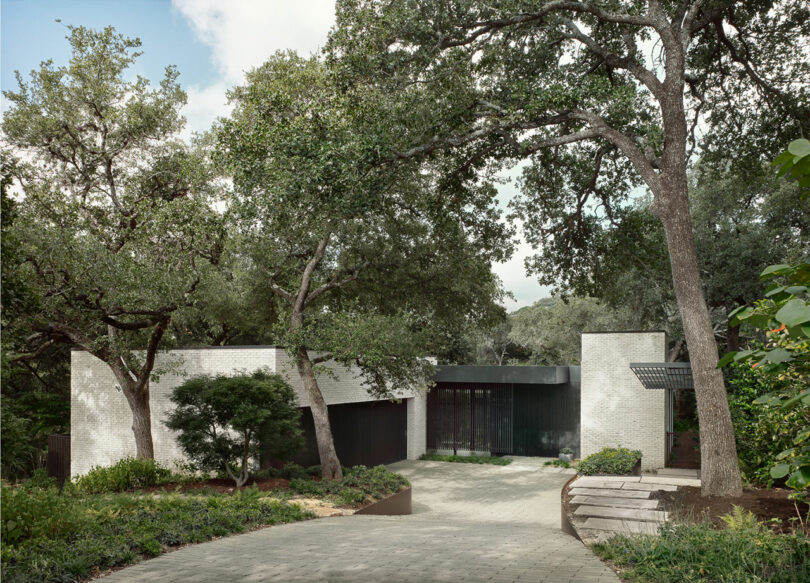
<point x="567" y="451"/>
<point x="32" y="512"/>
<point x="358" y="485"/>
<point x="224" y="423"/>
<point x="610" y="460"/>
<point x="127" y="474"/>
<point x="698" y="552"/>
<point x="762" y="431"/>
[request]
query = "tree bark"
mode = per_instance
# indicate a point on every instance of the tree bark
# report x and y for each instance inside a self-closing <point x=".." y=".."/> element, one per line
<point x="330" y="465"/>
<point x="138" y="398"/>
<point x="720" y="472"/>
<point x="732" y="338"/>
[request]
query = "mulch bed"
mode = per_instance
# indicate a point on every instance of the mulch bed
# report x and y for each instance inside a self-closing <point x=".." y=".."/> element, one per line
<point x="221" y="485"/>
<point x="687" y="503"/>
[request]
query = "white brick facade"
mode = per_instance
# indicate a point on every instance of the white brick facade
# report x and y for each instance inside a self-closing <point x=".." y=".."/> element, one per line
<point x="616" y="410"/>
<point x="101" y="420"/>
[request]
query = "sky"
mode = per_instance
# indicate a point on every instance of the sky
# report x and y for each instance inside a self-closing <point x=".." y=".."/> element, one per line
<point x="212" y="43"/>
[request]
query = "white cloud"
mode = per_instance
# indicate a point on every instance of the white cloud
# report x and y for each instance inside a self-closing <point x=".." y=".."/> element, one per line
<point x="205" y="104"/>
<point x="242" y="35"/>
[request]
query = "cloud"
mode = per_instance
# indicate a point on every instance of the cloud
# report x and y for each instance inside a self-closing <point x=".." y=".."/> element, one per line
<point x="243" y="34"/>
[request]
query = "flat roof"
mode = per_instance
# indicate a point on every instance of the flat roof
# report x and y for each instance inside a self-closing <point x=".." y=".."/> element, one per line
<point x="526" y="375"/>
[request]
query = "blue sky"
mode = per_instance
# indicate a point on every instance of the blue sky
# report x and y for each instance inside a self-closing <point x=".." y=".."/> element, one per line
<point x="212" y="43"/>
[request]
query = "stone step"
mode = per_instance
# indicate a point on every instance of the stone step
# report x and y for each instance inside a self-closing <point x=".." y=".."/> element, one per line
<point x="678" y="472"/>
<point x="619" y="502"/>
<point x="626" y="526"/>
<point x="585" y="480"/>
<point x="643" y="487"/>
<point x="670" y="481"/>
<point x="624" y="513"/>
<point x="613" y="492"/>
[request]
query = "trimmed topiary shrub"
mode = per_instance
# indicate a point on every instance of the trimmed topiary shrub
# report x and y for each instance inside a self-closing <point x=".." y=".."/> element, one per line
<point x="611" y="460"/>
<point x="127" y="474"/>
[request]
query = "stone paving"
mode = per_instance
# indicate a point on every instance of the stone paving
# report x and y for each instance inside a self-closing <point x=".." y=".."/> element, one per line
<point x="471" y="523"/>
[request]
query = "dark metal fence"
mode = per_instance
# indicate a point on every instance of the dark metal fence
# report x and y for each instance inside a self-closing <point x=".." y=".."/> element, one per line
<point x="58" y="462"/>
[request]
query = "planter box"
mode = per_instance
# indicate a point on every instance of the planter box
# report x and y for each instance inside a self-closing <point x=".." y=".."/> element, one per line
<point x="566" y="457"/>
<point x="393" y="505"/>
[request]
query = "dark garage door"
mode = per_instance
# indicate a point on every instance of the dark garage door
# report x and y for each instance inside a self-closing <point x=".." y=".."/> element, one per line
<point x="365" y="433"/>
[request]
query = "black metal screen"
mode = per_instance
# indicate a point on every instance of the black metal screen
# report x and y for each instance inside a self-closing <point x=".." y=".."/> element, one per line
<point x="470" y="416"/>
<point x="504" y="418"/>
<point x="664" y="375"/>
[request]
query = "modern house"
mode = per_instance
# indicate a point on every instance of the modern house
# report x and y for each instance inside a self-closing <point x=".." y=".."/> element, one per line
<point x="517" y="410"/>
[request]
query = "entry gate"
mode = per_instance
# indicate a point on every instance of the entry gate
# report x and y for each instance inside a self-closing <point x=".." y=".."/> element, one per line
<point x="471" y="416"/>
<point x="503" y="418"/>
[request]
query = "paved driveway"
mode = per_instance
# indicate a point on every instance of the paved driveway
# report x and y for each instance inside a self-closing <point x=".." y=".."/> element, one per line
<point x="470" y="523"/>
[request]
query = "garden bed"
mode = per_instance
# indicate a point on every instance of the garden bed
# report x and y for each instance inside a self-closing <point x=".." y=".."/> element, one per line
<point x="771" y="506"/>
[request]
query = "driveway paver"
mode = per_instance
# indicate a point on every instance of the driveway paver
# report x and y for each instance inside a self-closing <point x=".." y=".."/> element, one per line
<point x="470" y="523"/>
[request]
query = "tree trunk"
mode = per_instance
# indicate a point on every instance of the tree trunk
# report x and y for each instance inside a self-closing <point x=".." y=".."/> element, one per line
<point x="732" y="338"/>
<point x="720" y="471"/>
<point x="330" y="465"/>
<point x="138" y="399"/>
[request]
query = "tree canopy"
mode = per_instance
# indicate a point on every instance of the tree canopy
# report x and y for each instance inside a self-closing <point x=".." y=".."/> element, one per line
<point x="114" y="225"/>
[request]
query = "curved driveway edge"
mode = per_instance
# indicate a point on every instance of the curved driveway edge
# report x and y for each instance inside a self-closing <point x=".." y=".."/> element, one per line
<point x="470" y="523"/>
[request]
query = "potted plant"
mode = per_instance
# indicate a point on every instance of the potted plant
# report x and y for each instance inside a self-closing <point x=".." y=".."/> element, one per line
<point x="566" y="454"/>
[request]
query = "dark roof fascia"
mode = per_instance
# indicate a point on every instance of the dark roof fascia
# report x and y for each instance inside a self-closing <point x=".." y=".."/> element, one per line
<point x="524" y="375"/>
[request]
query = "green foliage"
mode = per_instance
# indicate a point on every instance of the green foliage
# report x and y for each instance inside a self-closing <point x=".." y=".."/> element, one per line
<point x="225" y="422"/>
<point x="697" y="552"/>
<point x="551" y="329"/>
<point x="70" y="537"/>
<point x="762" y="431"/>
<point x="558" y="463"/>
<point x="784" y="316"/>
<point x="38" y="510"/>
<point x="610" y="460"/>
<point x="740" y="519"/>
<point x="466" y="459"/>
<point x="114" y="227"/>
<point x="358" y="485"/>
<point x="127" y="474"/>
<point x="390" y="262"/>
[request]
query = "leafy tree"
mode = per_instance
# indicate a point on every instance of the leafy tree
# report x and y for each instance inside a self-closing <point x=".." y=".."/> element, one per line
<point x="226" y="422"/>
<point x="552" y="329"/>
<point x="601" y="97"/>
<point x="785" y="314"/>
<point x="114" y="227"/>
<point x="372" y="263"/>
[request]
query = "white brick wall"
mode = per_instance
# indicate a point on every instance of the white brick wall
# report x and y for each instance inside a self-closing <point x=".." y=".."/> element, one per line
<point x="616" y="410"/>
<point x="101" y="421"/>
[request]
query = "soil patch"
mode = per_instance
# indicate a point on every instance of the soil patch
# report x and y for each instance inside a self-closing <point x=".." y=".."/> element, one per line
<point x="222" y="485"/>
<point x="686" y="503"/>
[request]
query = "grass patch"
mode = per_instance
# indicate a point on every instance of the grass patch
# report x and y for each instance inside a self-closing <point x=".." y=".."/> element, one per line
<point x="698" y="552"/>
<point x="560" y="464"/>
<point x="51" y="537"/>
<point x="472" y="459"/>
<point x="358" y="486"/>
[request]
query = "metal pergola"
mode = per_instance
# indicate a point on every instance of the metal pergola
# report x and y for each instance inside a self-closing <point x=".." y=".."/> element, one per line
<point x="664" y="375"/>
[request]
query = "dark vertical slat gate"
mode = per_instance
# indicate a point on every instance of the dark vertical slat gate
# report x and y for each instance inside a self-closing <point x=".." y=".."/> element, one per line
<point x="58" y="461"/>
<point x="504" y="418"/>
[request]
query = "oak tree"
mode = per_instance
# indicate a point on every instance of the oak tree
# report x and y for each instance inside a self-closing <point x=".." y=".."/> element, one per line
<point x="601" y="97"/>
<point x="113" y="221"/>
